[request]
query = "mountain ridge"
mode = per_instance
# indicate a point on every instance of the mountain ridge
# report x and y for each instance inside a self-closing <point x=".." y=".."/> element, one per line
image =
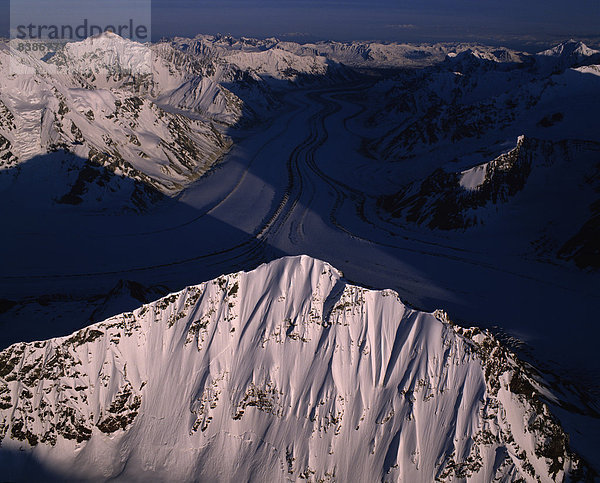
<point x="289" y="367"/>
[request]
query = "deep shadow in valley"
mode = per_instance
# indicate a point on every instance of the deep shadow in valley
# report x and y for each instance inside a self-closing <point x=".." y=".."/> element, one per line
<point x="71" y="255"/>
<point x="20" y="465"/>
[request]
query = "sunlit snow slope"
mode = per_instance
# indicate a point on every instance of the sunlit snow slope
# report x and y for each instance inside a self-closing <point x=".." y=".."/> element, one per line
<point x="281" y="373"/>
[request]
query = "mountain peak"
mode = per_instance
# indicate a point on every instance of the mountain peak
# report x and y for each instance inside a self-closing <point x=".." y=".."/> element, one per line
<point x="108" y="34"/>
<point x="569" y="48"/>
<point x="287" y="365"/>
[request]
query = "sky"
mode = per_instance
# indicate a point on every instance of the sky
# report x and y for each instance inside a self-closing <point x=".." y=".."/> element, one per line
<point x="506" y="21"/>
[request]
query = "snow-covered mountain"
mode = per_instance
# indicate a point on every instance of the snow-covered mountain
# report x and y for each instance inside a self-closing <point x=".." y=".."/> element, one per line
<point x="407" y="178"/>
<point x="567" y="54"/>
<point x="281" y="373"/>
<point x="524" y="190"/>
<point x="352" y="54"/>
<point x="89" y="102"/>
<point x="446" y="132"/>
<point x="478" y="90"/>
<point x="268" y="60"/>
<point x="158" y="114"/>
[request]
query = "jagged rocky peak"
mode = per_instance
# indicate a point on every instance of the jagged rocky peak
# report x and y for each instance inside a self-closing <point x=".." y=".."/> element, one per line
<point x="285" y="372"/>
